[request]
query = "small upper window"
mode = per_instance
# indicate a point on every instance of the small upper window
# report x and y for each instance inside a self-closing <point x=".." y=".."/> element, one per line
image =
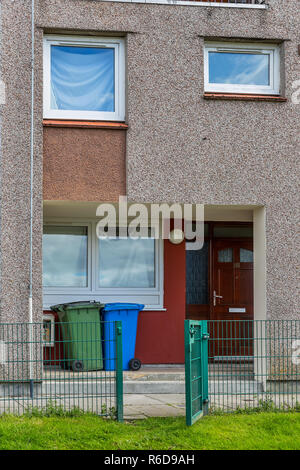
<point x="84" y="78"/>
<point x="242" y="68"/>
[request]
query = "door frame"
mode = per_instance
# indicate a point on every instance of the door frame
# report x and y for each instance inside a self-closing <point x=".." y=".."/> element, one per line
<point x="210" y="238"/>
<point x="235" y="243"/>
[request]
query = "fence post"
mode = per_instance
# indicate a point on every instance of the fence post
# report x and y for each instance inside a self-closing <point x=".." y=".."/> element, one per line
<point x="188" y="373"/>
<point x="204" y="366"/>
<point x="119" y="370"/>
<point x="196" y="369"/>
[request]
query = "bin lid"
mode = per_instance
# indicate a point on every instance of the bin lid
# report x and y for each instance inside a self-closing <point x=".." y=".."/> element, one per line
<point x="122" y="306"/>
<point x="79" y="304"/>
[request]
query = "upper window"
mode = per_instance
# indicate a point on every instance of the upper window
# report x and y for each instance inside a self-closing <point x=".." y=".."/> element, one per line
<point x="84" y="78"/>
<point x="242" y="68"/>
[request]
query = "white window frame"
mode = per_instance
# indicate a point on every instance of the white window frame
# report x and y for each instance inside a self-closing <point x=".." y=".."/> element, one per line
<point x="119" y="47"/>
<point x="89" y="256"/>
<point x="126" y="290"/>
<point x="255" y="48"/>
<point x="151" y="297"/>
<point x="49" y="318"/>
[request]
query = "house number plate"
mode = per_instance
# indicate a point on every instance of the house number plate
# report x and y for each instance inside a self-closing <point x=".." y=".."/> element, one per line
<point x="237" y="310"/>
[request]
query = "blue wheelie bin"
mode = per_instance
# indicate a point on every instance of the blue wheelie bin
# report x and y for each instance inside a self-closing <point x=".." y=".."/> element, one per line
<point x="128" y="315"/>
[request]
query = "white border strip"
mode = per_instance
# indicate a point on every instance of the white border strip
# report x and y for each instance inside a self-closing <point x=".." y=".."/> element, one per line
<point x="194" y="4"/>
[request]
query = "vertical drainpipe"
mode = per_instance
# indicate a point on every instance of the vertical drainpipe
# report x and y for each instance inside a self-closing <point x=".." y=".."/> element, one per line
<point x="31" y="206"/>
<point x="1" y="113"/>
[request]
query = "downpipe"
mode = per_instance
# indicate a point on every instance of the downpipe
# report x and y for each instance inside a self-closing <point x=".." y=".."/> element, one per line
<point x="31" y="376"/>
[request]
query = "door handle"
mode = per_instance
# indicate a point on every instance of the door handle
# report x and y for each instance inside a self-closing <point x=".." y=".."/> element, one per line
<point x="217" y="297"/>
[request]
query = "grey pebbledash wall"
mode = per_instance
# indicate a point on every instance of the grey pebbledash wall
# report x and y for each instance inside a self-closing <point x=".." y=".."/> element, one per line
<point x="1" y="105"/>
<point x="180" y="147"/>
<point x="15" y="167"/>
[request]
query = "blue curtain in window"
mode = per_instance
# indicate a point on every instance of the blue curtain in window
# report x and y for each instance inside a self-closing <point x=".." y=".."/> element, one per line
<point x="82" y="78"/>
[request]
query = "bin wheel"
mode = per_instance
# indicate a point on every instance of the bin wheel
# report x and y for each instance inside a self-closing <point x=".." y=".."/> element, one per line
<point x="77" y="366"/>
<point x="134" y="364"/>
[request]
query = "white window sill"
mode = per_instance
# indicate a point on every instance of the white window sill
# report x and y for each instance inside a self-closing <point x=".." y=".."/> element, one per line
<point x="154" y="309"/>
<point x="194" y="4"/>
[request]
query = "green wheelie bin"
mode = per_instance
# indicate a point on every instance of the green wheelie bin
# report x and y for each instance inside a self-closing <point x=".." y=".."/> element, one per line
<point x="80" y="324"/>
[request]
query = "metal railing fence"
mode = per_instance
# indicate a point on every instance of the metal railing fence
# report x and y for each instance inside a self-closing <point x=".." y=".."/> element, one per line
<point x="63" y="368"/>
<point x="254" y="364"/>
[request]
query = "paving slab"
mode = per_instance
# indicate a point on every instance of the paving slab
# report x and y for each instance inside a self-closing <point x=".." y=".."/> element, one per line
<point x="153" y="411"/>
<point x="140" y="400"/>
<point x="10" y="406"/>
<point x="177" y="399"/>
<point x="145" y="406"/>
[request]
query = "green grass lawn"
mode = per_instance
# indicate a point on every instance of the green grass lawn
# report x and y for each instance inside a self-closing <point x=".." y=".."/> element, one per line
<point x="237" y="431"/>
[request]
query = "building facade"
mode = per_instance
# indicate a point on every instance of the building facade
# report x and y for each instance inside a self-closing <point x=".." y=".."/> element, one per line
<point x="187" y="102"/>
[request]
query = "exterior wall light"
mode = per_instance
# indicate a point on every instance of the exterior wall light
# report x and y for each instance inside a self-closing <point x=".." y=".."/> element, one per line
<point x="176" y="236"/>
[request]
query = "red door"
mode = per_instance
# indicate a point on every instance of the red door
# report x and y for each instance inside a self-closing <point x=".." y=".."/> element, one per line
<point x="232" y="297"/>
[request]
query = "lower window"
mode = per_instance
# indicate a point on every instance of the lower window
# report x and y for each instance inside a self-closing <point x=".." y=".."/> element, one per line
<point x="79" y="266"/>
<point x="127" y="263"/>
<point x="65" y="256"/>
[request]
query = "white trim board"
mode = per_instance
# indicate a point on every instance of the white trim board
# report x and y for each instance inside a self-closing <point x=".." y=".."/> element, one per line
<point x="193" y="4"/>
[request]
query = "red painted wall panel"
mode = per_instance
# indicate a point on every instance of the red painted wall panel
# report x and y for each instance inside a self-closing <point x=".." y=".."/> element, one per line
<point x="160" y="335"/>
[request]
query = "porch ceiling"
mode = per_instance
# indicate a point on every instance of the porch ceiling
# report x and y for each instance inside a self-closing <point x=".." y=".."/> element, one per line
<point x="71" y="209"/>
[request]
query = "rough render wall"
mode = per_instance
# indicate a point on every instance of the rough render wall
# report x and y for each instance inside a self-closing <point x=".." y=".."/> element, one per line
<point x="15" y="196"/>
<point x="179" y="147"/>
<point x="15" y="167"/>
<point x="71" y="156"/>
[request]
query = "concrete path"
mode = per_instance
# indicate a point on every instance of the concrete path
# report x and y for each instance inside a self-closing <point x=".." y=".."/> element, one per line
<point x="141" y="406"/>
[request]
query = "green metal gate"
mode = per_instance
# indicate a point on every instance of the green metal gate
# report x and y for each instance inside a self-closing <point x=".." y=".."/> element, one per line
<point x="196" y="369"/>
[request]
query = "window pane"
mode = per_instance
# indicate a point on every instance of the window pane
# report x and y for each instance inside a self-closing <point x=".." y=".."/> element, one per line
<point x="82" y="78"/>
<point x="246" y="256"/>
<point x="197" y="276"/>
<point x="127" y="262"/>
<point x="239" y="68"/>
<point x="65" y="254"/>
<point x="225" y="256"/>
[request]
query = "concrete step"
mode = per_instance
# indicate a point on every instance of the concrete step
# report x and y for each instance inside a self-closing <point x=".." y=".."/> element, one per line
<point x="235" y="387"/>
<point x="148" y="380"/>
<point x="153" y="376"/>
<point x="98" y="387"/>
<point x="177" y="387"/>
<point x="153" y="386"/>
